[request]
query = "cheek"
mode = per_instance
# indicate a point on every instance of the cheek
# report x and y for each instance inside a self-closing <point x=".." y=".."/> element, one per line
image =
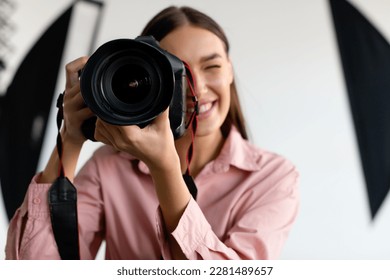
<point x="221" y="86"/>
<point x="219" y="83"/>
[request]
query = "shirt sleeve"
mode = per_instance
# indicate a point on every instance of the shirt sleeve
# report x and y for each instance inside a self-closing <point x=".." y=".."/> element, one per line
<point x="259" y="231"/>
<point x="30" y="235"/>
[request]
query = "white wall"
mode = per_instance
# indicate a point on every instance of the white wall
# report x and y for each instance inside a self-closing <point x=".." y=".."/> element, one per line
<point x="292" y="89"/>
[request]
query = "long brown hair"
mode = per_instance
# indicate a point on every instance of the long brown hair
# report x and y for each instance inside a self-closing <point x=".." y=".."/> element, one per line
<point x="173" y="17"/>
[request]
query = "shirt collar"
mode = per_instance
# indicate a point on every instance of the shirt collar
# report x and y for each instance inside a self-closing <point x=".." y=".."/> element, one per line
<point x="237" y="152"/>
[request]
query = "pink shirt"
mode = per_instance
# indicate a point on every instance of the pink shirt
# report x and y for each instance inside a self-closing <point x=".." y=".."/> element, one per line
<point x="247" y="202"/>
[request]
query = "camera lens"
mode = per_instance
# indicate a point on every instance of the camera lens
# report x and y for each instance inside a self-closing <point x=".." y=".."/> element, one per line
<point x="127" y="82"/>
<point x="131" y="84"/>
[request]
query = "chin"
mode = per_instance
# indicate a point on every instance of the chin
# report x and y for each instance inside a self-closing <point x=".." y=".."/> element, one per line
<point x="204" y="129"/>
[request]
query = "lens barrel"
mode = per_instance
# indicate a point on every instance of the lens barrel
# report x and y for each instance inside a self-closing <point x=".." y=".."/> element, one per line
<point x="131" y="82"/>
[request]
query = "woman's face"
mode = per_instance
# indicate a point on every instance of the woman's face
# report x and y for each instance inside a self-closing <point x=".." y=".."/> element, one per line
<point x="205" y="53"/>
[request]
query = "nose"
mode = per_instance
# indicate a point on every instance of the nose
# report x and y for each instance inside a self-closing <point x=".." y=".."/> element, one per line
<point x="200" y="84"/>
<point x="201" y="90"/>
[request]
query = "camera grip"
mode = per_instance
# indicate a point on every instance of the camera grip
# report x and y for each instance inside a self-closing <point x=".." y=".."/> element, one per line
<point x="88" y="128"/>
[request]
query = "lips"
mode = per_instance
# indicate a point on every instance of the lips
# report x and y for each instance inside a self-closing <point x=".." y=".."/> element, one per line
<point x="203" y="108"/>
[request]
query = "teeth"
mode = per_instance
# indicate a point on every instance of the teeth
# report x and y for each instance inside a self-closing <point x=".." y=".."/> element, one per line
<point x="204" y="107"/>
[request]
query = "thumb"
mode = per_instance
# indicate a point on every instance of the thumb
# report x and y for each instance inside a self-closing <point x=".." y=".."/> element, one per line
<point x="162" y="118"/>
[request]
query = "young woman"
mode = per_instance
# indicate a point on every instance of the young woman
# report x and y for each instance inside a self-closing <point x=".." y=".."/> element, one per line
<point x="131" y="193"/>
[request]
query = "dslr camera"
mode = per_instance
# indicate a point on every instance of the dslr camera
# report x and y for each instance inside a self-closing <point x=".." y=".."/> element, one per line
<point x="131" y="82"/>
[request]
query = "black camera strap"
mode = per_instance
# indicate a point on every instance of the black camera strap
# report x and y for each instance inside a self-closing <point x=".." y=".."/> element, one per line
<point x="187" y="175"/>
<point x="63" y="204"/>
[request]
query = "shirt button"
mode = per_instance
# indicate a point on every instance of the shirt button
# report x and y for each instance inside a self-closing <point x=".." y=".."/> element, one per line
<point x="36" y="200"/>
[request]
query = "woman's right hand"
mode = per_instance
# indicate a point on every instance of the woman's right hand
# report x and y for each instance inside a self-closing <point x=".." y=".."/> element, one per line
<point x="75" y="110"/>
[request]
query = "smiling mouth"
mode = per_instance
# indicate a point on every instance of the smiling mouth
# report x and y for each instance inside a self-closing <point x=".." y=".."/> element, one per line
<point x="203" y="108"/>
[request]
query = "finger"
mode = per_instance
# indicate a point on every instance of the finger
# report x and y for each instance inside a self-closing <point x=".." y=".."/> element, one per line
<point x="99" y="135"/>
<point x="163" y="117"/>
<point x="72" y="71"/>
<point x="105" y="132"/>
<point x="73" y="91"/>
<point x="72" y="98"/>
<point x="75" y="98"/>
<point x="85" y="113"/>
<point x="161" y="122"/>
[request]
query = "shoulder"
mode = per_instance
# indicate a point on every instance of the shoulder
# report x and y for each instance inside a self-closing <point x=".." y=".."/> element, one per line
<point x="273" y="177"/>
<point x="273" y="161"/>
<point x="274" y="169"/>
<point x="245" y="155"/>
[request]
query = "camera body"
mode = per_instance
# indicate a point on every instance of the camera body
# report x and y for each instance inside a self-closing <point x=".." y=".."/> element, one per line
<point x="131" y="82"/>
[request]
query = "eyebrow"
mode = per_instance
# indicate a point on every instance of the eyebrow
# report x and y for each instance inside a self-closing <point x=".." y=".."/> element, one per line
<point x="210" y="57"/>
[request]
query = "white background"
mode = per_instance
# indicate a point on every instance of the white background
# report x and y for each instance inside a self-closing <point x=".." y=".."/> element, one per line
<point x="292" y="89"/>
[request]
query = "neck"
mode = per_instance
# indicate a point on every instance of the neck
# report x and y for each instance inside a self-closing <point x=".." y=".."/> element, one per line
<point x="206" y="148"/>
